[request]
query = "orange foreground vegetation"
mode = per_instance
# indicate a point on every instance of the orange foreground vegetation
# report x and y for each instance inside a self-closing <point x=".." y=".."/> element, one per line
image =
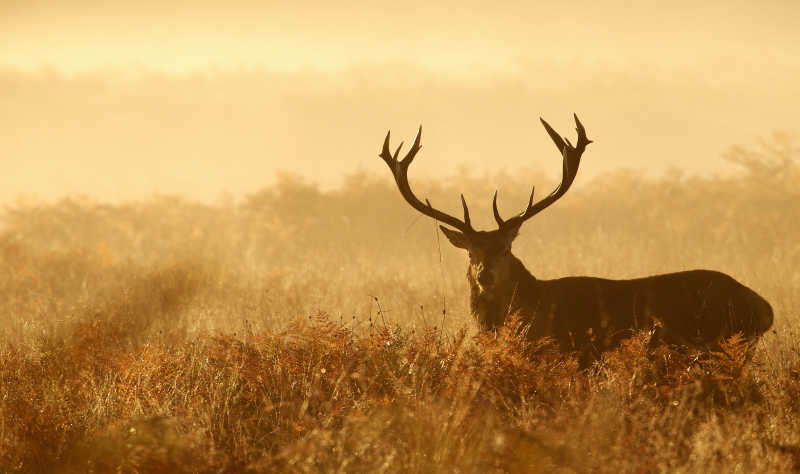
<point x="317" y="397"/>
<point x="165" y="336"/>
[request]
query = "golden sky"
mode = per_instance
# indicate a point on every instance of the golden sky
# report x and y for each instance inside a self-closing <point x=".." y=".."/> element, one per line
<point x="122" y="99"/>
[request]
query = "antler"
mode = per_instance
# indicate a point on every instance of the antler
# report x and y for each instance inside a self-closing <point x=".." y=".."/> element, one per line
<point x="572" y="159"/>
<point x="400" y="172"/>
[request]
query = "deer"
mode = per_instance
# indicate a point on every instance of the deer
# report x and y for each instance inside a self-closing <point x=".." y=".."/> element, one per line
<point x="582" y="314"/>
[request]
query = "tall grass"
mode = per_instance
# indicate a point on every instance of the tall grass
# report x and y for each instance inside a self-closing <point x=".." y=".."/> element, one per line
<point x="306" y="331"/>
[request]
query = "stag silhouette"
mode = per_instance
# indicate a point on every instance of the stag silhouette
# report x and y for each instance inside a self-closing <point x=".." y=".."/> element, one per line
<point x="696" y="308"/>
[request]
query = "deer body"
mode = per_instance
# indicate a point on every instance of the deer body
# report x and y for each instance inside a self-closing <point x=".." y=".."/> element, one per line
<point x="694" y="308"/>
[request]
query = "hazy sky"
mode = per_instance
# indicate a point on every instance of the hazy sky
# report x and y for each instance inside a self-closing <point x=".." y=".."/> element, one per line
<point x="121" y="99"/>
<point x="453" y="37"/>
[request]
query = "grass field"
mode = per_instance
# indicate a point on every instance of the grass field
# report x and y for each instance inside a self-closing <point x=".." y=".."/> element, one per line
<point x="309" y="331"/>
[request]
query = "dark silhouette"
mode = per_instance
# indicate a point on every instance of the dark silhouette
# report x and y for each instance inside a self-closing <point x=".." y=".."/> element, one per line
<point x="695" y="308"/>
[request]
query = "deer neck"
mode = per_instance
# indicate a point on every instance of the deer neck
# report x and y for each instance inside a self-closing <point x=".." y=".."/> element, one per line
<point x="490" y="308"/>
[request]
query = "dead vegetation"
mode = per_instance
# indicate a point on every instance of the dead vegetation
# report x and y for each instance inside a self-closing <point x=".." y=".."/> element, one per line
<point x="310" y="331"/>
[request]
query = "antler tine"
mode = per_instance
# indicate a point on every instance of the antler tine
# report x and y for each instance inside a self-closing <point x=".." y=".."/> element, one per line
<point x="496" y="213"/>
<point x="414" y="148"/>
<point x="581" y="131"/>
<point x="571" y="156"/>
<point x="466" y="212"/>
<point x="500" y="221"/>
<point x="385" y="151"/>
<point x="530" y="199"/>
<point x="464" y="205"/>
<point x="553" y="135"/>
<point x="399" y="170"/>
<point x="397" y="152"/>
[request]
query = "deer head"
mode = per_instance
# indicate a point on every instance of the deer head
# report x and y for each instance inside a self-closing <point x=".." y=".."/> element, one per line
<point x="490" y="256"/>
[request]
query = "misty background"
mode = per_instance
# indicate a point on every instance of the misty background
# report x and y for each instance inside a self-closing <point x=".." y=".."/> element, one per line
<point x="122" y="100"/>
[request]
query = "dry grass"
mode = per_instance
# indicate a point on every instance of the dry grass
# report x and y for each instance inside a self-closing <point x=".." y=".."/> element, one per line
<point x="304" y="331"/>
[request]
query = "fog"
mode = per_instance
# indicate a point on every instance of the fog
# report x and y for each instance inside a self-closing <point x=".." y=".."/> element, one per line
<point x="205" y="267"/>
<point x="118" y="102"/>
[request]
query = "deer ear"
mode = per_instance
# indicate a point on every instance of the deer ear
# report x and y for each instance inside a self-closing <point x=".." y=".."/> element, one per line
<point x="455" y="237"/>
